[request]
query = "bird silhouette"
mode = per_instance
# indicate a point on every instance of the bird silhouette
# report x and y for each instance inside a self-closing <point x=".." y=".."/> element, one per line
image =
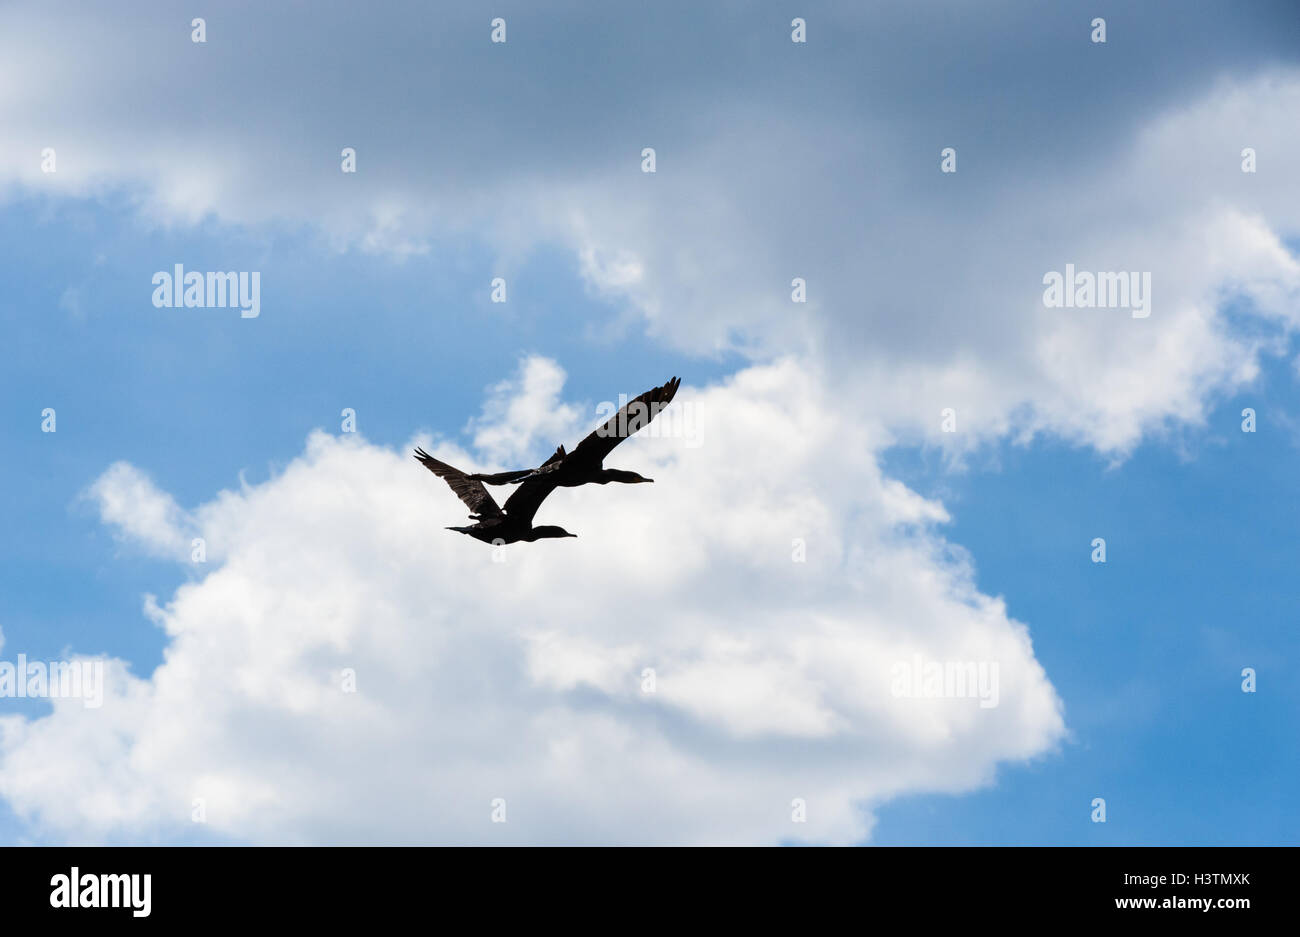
<point x="511" y="524"/>
<point x="585" y="464"/>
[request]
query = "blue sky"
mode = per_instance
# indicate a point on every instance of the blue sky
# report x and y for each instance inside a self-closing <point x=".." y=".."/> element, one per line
<point x="820" y="422"/>
<point x="1146" y="650"/>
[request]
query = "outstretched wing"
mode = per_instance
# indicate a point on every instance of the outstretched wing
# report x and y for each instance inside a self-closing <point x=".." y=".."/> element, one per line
<point x="601" y="441"/>
<point x="528" y="497"/>
<point x="467" y="489"/>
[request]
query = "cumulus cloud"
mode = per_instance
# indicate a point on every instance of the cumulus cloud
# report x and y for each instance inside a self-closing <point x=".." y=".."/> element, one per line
<point x="141" y="512"/>
<point x="924" y="289"/>
<point x="526" y="679"/>
<point x="520" y="412"/>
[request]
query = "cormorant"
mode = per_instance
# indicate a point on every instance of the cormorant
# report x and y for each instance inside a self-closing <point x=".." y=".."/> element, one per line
<point x="584" y="464"/>
<point x="511" y="525"/>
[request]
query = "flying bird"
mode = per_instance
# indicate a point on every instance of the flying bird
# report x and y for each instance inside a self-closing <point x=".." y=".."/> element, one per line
<point x="511" y="524"/>
<point x="585" y="464"/>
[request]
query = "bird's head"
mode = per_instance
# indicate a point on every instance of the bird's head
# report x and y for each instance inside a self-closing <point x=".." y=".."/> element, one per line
<point x="626" y="477"/>
<point x="549" y="532"/>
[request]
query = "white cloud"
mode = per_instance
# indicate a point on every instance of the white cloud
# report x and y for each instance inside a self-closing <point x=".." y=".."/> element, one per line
<point x="520" y="412"/>
<point x="924" y="289"/>
<point x="129" y="500"/>
<point x="523" y="679"/>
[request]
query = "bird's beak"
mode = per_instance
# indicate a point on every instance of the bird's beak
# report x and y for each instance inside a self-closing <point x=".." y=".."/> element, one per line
<point x="573" y="535"/>
<point x="647" y="479"/>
